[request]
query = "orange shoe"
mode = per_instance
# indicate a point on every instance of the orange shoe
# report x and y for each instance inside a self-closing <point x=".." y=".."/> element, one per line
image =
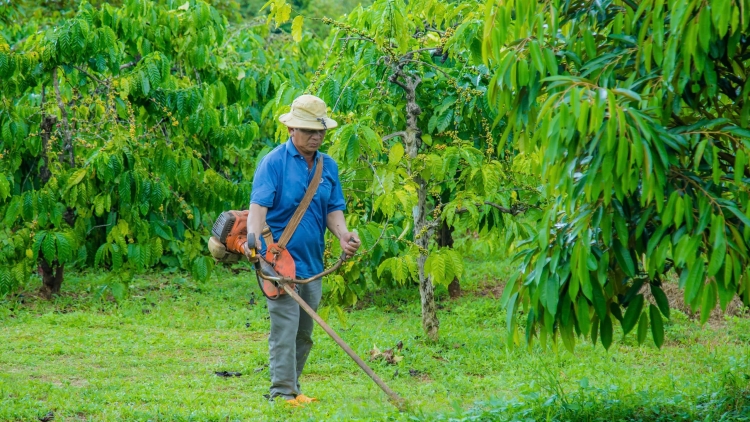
<point x="293" y="403"/>
<point x="303" y="399"/>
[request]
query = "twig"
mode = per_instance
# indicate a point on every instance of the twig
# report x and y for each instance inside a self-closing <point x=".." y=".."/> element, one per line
<point x="96" y="227"/>
<point x="382" y="233"/>
<point x="356" y="39"/>
<point x="31" y="170"/>
<point x="351" y="78"/>
<point x="411" y="53"/>
<point x="430" y="65"/>
<point x="89" y="75"/>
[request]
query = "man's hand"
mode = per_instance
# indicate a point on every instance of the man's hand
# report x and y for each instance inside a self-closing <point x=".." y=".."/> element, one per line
<point x="350" y="243"/>
<point x="251" y="252"/>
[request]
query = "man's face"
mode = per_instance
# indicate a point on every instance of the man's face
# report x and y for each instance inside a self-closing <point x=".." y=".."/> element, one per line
<point x="307" y="141"/>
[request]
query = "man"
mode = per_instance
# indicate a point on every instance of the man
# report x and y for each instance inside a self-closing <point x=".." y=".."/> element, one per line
<point x="279" y="184"/>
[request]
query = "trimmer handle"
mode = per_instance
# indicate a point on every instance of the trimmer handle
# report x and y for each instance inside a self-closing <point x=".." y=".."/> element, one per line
<point x="251" y="251"/>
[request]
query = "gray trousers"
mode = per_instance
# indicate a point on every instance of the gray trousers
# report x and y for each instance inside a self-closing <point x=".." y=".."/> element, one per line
<point x="291" y="339"/>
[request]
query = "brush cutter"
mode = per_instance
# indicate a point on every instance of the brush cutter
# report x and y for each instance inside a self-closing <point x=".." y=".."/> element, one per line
<point x="273" y="272"/>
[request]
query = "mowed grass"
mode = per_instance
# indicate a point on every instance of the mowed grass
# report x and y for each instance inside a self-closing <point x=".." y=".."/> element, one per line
<point x="154" y="354"/>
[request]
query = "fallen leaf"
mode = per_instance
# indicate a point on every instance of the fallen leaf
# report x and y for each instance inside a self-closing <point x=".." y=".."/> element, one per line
<point x="388" y="354"/>
<point x="375" y="353"/>
<point x="228" y="374"/>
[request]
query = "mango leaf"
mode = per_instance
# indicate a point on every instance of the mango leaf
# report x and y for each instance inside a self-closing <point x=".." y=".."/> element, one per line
<point x="642" y="328"/>
<point x="661" y="300"/>
<point x="657" y="325"/>
<point x="633" y="312"/>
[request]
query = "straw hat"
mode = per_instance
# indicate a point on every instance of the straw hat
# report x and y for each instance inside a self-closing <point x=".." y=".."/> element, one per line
<point x="308" y="112"/>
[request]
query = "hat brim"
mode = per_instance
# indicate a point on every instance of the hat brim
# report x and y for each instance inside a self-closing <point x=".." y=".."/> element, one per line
<point x="290" y="121"/>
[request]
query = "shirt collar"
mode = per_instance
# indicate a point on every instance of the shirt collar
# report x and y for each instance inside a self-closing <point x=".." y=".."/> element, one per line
<point x="291" y="149"/>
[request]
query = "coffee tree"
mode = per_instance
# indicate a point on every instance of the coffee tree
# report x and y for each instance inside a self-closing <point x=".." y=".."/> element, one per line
<point x="417" y="143"/>
<point x="640" y="110"/>
<point x="123" y="132"/>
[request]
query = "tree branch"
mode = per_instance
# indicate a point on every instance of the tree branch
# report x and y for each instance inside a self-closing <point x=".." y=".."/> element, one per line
<point x="429" y="28"/>
<point x="393" y="135"/>
<point x="131" y="64"/>
<point x="515" y="209"/>
<point x="164" y="132"/>
<point x="394" y="79"/>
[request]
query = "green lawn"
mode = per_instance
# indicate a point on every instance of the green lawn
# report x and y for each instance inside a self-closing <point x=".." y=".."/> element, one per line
<point x="153" y="356"/>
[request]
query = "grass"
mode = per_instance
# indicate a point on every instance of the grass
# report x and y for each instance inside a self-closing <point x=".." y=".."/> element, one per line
<point x="153" y="356"/>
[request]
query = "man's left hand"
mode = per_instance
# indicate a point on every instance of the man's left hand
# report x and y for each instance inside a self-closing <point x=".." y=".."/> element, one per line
<point x="350" y="243"/>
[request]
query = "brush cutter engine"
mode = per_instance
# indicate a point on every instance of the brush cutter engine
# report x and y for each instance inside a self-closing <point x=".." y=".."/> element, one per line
<point x="228" y="245"/>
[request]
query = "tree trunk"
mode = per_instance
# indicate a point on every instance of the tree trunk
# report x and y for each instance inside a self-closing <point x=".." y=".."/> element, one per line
<point x="430" y="322"/>
<point x="66" y="126"/>
<point x="46" y="128"/>
<point x="445" y="240"/>
<point x="412" y="141"/>
<point x="52" y="278"/>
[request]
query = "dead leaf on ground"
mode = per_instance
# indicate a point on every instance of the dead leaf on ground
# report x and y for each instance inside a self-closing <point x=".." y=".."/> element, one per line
<point x="228" y="374"/>
<point x="387" y="354"/>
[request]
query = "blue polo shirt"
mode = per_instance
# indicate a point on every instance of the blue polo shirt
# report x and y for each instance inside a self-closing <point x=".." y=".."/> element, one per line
<point x="279" y="184"/>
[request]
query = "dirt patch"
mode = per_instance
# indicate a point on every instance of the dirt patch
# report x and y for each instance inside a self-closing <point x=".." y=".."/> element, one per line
<point x="492" y="288"/>
<point x="59" y="381"/>
<point x="676" y="297"/>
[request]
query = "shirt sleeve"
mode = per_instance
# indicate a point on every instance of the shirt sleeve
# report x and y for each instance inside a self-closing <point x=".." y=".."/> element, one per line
<point x="336" y="202"/>
<point x="264" y="184"/>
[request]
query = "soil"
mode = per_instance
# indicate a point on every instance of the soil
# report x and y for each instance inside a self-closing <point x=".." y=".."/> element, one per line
<point x="492" y="288"/>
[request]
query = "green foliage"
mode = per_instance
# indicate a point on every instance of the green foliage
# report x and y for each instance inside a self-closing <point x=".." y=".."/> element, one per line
<point x="410" y="166"/>
<point x="125" y="130"/>
<point x="639" y="111"/>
